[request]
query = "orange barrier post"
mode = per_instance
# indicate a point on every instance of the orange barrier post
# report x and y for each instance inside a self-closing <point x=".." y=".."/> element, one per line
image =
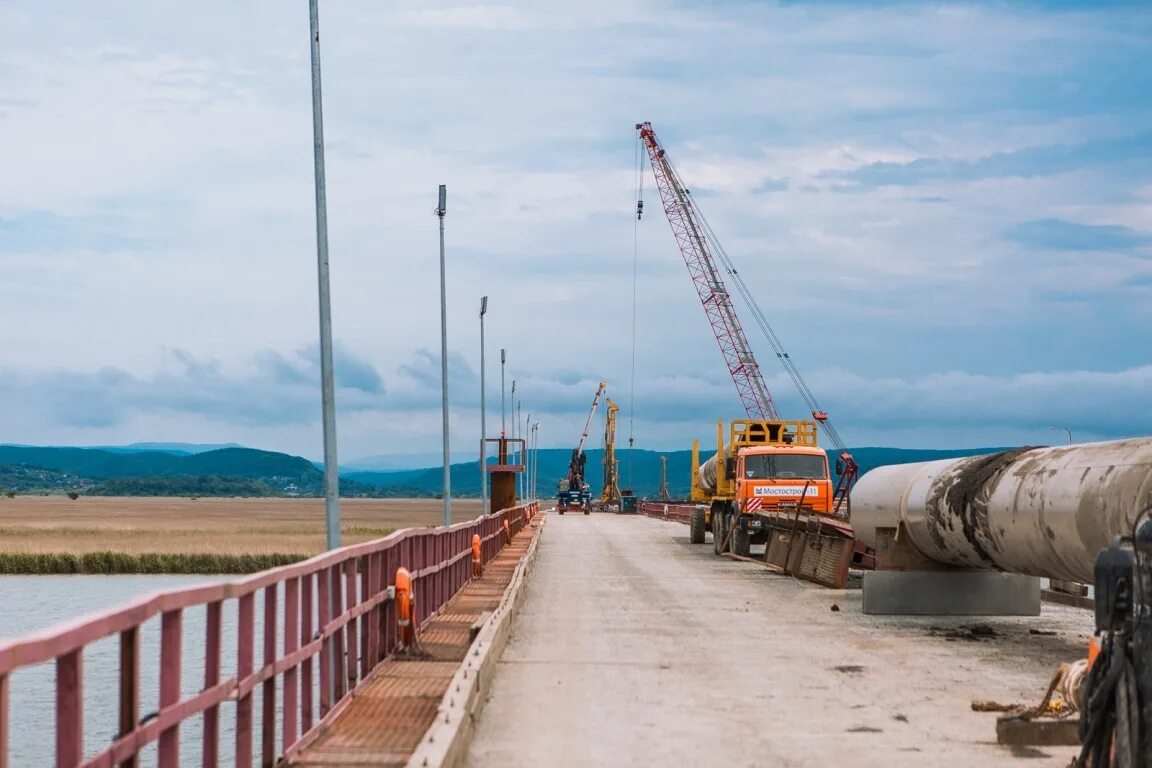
<point x="404" y="608"/>
<point x="477" y="563"/>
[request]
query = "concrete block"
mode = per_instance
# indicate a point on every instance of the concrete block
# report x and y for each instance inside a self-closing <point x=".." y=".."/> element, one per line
<point x="951" y="593"/>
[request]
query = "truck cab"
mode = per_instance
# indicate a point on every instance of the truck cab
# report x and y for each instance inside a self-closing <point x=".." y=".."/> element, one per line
<point x="783" y="477"/>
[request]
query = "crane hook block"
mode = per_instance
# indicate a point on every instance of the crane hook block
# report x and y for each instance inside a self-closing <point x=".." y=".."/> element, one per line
<point x="639" y="209"/>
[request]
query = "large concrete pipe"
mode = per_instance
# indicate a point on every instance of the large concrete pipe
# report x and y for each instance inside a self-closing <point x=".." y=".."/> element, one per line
<point x="707" y="473"/>
<point x="1035" y="511"/>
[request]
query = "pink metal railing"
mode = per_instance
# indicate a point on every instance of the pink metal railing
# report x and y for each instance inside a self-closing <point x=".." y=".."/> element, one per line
<point x="356" y="630"/>
<point x="680" y="512"/>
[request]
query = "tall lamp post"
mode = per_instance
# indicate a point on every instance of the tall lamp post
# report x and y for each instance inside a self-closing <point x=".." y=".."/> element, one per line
<point x="483" y="413"/>
<point x="519" y="476"/>
<point x="327" y="383"/>
<point x="1065" y="430"/>
<point x="535" y="457"/>
<point x="441" y="209"/>
<point x="503" y="422"/>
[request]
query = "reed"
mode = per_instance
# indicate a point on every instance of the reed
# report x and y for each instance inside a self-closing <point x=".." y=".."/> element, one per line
<point x="107" y="563"/>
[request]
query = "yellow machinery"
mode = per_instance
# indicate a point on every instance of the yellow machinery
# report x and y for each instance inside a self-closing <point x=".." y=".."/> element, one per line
<point x="610" y="496"/>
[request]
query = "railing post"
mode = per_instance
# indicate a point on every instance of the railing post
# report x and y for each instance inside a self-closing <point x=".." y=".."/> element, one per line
<point x="4" y="722"/>
<point x="129" y="687"/>
<point x="291" y="643"/>
<point x="367" y="626"/>
<point x="70" y="709"/>
<point x="212" y="639"/>
<point x="246" y="612"/>
<point x="171" y="636"/>
<point x="268" y="697"/>
<point x="307" y="603"/>
<point x="336" y="590"/>
<point x="324" y="598"/>
<point x="352" y="641"/>
<point x="388" y="615"/>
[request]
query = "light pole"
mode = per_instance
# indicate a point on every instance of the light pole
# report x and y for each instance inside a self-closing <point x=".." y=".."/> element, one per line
<point x="483" y="413"/>
<point x="440" y="211"/>
<point x="527" y="442"/>
<point x="1066" y="431"/>
<point x="327" y="383"/>
<point x="520" y="475"/>
<point x="503" y="423"/>
<point x="535" y="456"/>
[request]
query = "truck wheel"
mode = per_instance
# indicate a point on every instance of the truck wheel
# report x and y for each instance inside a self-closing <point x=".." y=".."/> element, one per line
<point x="561" y="511"/>
<point x="587" y="511"/>
<point x="696" y="527"/>
<point x="741" y="545"/>
<point x="719" y="531"/>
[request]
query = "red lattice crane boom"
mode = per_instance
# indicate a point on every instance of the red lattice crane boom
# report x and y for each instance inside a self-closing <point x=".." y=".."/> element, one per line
<point x="691" y="236"/>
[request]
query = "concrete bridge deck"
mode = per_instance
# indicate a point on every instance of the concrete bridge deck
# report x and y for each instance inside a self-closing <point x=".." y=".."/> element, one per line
<point x="633" y="647"/>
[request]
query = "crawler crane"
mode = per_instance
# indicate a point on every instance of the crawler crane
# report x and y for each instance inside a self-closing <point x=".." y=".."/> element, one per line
<point x="574" y="491"/>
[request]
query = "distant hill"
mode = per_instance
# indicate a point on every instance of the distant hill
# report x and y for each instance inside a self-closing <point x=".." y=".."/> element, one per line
<point x="247" y="471"/>
<point x="179" y="448"/>
<point x="226" y="471"/>
<point x="638" y="468"/>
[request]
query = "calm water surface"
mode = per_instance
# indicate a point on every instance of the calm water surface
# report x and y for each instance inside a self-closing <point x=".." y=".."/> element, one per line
<point x="32" y="603"/>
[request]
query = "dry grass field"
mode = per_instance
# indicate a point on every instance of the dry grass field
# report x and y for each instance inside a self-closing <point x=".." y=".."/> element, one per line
<point x="51" y="524"/>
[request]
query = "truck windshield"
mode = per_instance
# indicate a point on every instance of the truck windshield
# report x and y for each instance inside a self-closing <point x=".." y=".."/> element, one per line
<point x="771" y="466"/>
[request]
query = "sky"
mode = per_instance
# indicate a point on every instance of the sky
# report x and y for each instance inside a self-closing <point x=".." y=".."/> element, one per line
<point x="944" y="209"/>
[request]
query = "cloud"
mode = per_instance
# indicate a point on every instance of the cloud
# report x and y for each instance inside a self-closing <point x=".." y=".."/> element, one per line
<point x="1028" y="162"/>
<point x="1061" y="235"/>
<point x="274" y="390"/>
<point x="46" y="232"/>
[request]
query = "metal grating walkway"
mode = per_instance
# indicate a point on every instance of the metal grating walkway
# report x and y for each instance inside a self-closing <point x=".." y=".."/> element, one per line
<point x="384" y="723"/>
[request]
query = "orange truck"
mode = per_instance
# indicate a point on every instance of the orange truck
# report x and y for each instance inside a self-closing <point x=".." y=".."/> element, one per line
<point x="764" y="472"/>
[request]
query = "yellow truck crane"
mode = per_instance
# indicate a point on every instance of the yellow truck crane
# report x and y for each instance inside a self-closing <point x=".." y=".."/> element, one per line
<point x="764" y="469"/>
<point x="769" y="484"/>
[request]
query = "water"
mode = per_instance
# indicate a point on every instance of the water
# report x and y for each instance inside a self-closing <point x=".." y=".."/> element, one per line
<point x="31" y="603"/>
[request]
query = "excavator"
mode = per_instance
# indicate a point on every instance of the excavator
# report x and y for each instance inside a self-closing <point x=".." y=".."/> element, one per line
<point x="575" y="492"/>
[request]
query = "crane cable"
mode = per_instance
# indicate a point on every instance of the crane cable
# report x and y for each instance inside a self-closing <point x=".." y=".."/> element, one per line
<point x="762" y="321"/>
<point x="635" y="261"/>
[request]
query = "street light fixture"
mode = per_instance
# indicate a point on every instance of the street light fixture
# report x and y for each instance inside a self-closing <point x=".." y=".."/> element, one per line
<point x="483" y="413"/>
<point x="1066" y="430"/>
<point x="503" y="421"/>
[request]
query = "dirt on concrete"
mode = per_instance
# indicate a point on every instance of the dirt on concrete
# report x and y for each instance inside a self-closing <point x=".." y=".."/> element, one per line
<point x="634" y="647"/>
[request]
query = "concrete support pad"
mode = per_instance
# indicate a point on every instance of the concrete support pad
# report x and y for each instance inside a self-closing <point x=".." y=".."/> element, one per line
<point x="950" y="593"/>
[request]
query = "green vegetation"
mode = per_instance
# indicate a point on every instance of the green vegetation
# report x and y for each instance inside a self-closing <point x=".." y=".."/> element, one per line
<point x="201" y="485"/>
<point x="119" y="562"/>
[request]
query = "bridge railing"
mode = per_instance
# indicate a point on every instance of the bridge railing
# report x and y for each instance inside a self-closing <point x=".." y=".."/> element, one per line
<point x="679" y="512"/>
<point x="326" y="623"/>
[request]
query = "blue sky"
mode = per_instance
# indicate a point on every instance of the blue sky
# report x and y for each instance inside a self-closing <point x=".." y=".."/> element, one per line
<point x="944" y="208"/>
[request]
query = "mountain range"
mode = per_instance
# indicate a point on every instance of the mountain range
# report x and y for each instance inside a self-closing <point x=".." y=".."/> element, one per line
<point x="167" y="469"/>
